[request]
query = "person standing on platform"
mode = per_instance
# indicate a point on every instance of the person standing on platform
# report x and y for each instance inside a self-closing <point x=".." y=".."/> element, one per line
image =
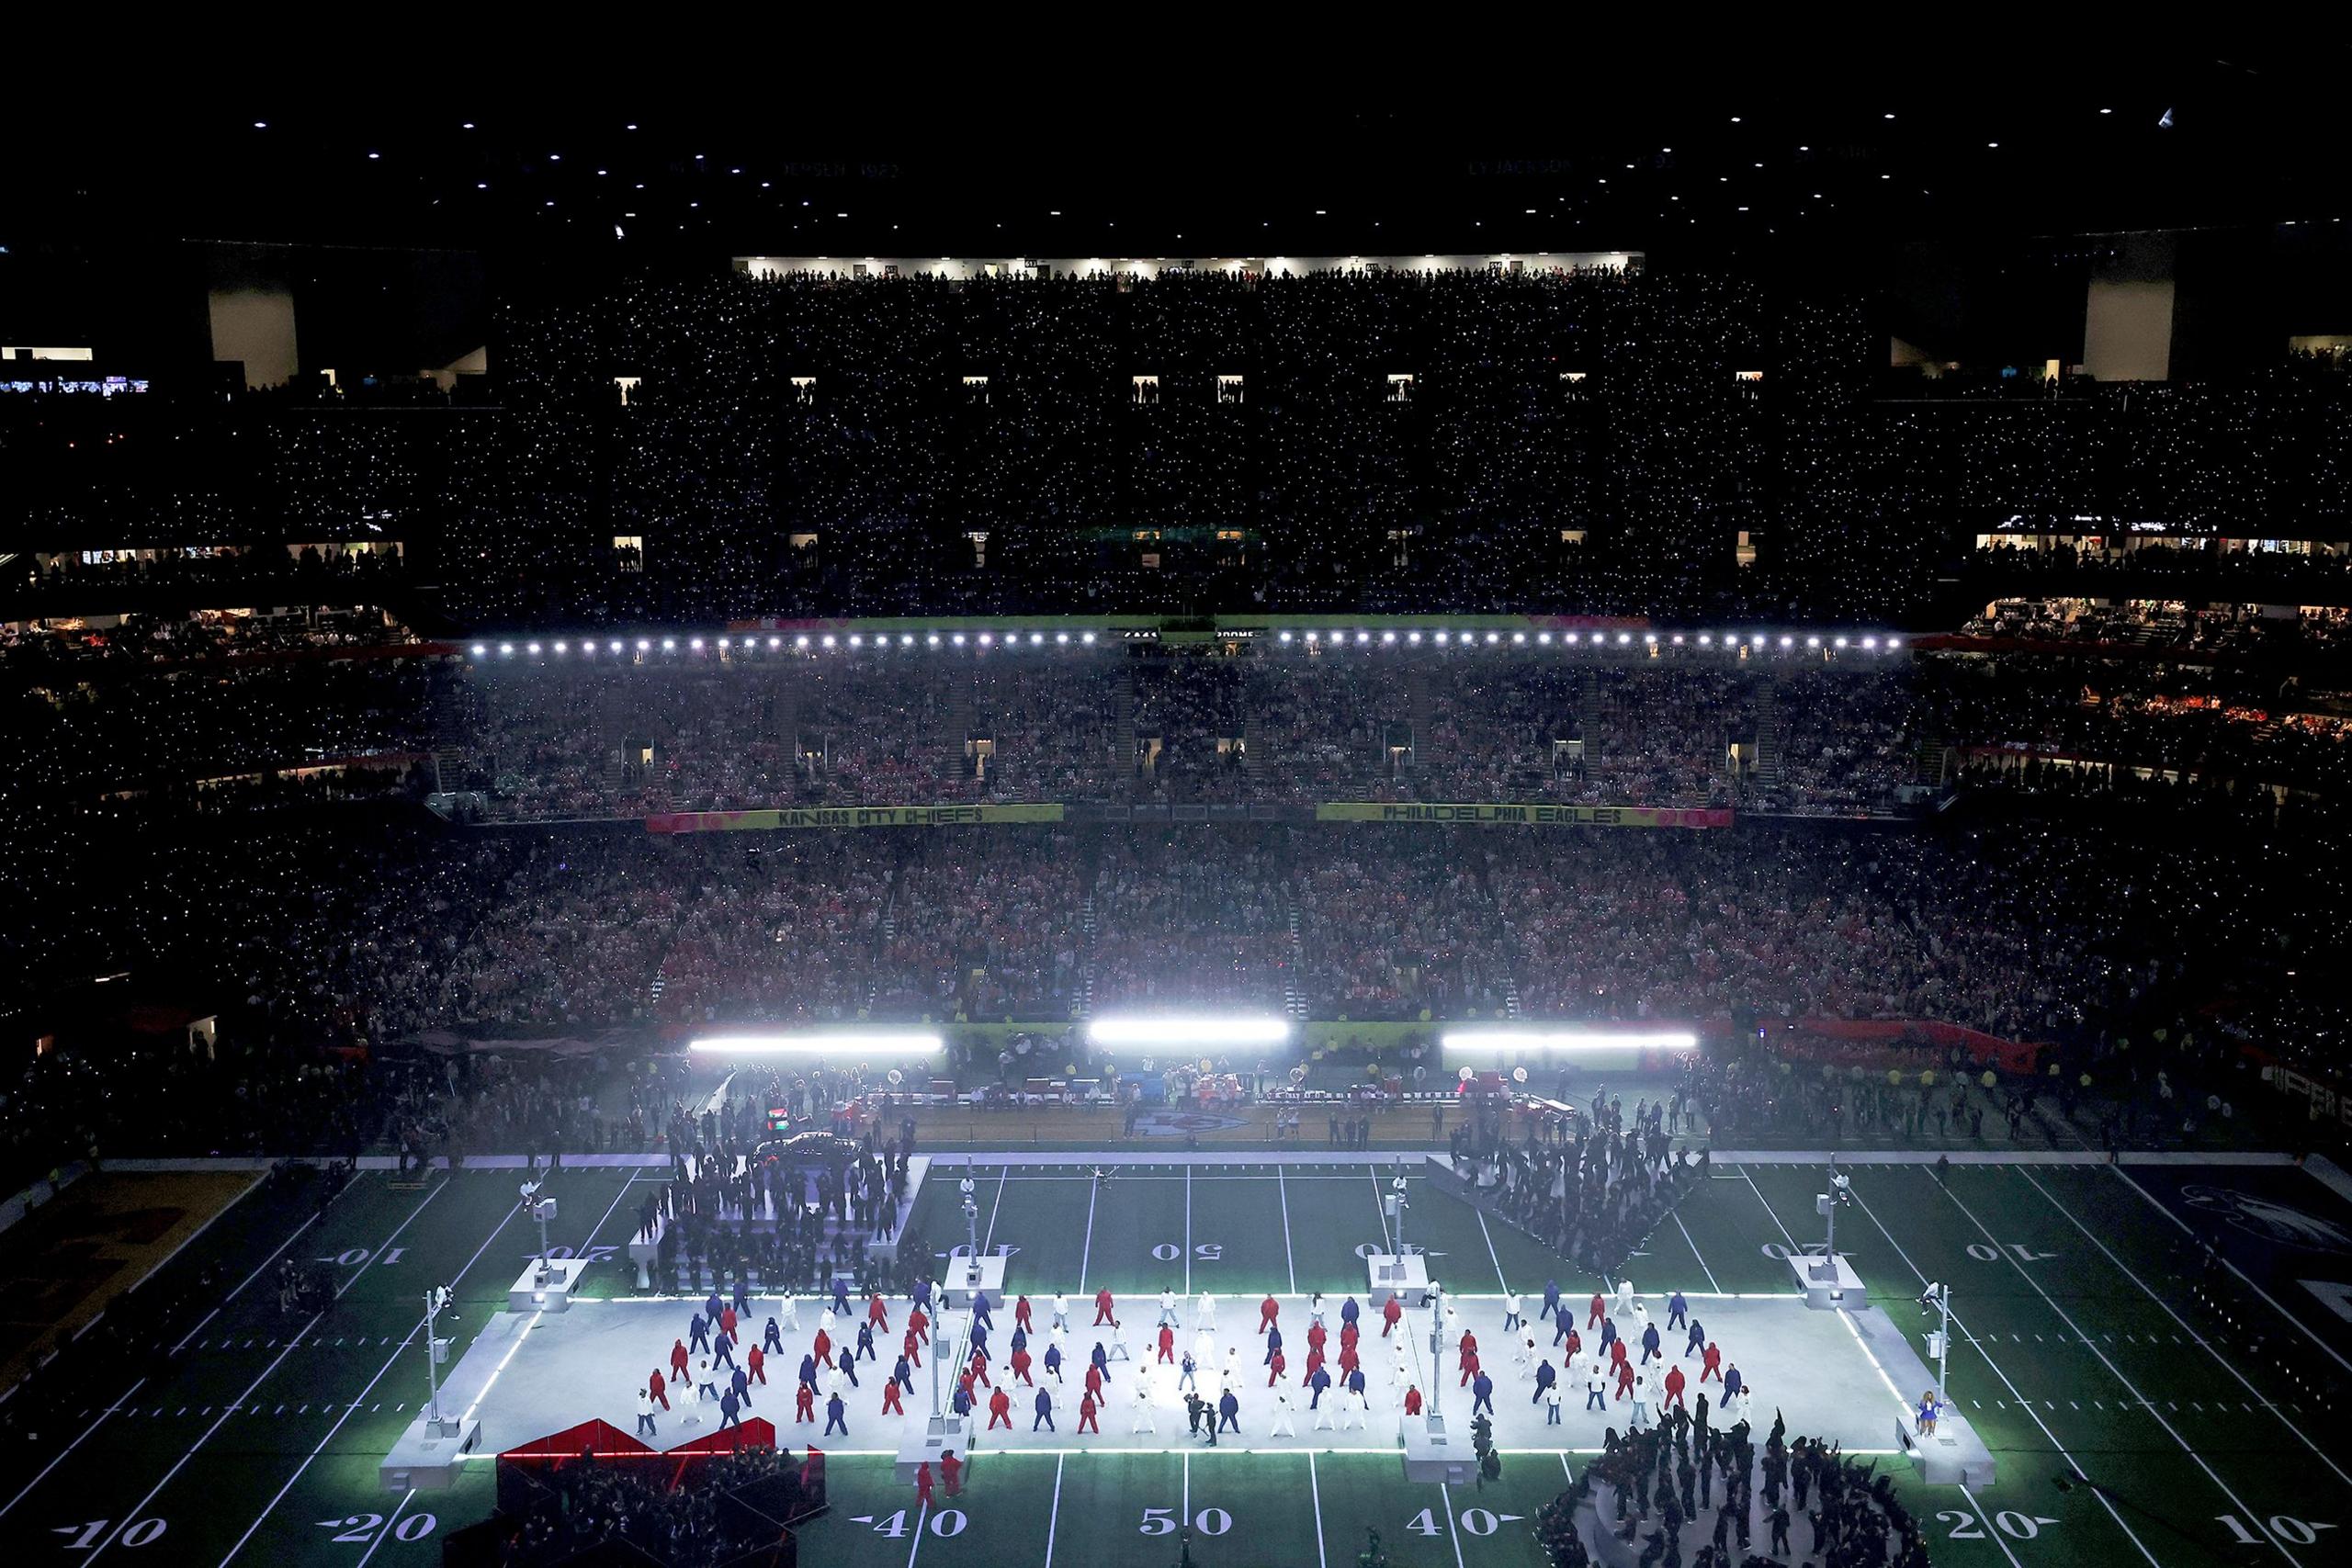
<point x="645" y="1413"/>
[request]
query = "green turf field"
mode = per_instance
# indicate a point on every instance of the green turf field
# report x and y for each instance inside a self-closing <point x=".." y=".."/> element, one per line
<point x="2081" y="1348"/>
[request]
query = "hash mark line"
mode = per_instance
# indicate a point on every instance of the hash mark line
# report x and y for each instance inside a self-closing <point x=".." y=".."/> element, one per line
<point x="385" y="1534"/>
<point x="1491" y="1254"/>
<point x="1694" y="1249"/>
<point x="1996" y="1368"/>
<point x="1314" y="1491"/>
<point x="248" y="1280"/>
<point x="115" y="1534"/>
<point x="1093" y="1190"/>
<point x="505" y="1219"/>
<point x="1283" y="1190"/>
<point x="2170" y="1430"/>
<point x="2158" y="1204"/>
<point x="2293" y="1427"/>
<point x="1051" y="1519"/>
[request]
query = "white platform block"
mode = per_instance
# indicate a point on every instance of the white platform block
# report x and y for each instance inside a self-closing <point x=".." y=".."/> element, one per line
<point x="1434" y="1451"/>
<point x="426" y="1458"/>
<point x="531" y="1294"/>
<point x="927" y="1438"/>
<point x="1827" y="1282"/>
<point x="1390" y="1275"/>
<point x="966" y="1275"/>
<point x="646" y="1253"/>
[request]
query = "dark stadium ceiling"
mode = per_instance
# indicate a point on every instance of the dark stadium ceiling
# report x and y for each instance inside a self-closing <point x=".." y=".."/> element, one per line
<point x="1753" y="156"/>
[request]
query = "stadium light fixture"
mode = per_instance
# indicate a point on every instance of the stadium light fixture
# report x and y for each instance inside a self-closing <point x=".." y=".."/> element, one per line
<point x="1893" y="643"/>
<point x="1519" y="639"/>
<point x="1416" y="637"/>
<point x="1086" y="637"/>
<point x="1573" y="640"/>
<point x="1285" y="637"/>
<point x="813" y="1044"/>
<point x="1388" y="637"/>
<point x="1494" y="637"/>
<point x="1544" y="638"/>
<point x="828" y="639"/>
<point x="1624" y="638"/>
<point x="1567" y="1042"/>
<point x="986" y="638"/>
<point x="479" y="649"/>
<point x="1184" y="1031"/>
<point x="696" y="645"/>
<point x="1812" y="642"/>
<point x="1061" y="638"/>
<point x="1363" y="637"/>
<point x="535" y="651"/>
<point x="800" y="641"/>
<point x="775" y="642"/>
<point x="644" y="644"/>
<point x="957" y="640"/>
<point x="1036" y="638"/>
<point x="1841" y="642"/>
<point x="931" y="640"/>
<point x="561" y="647"/>
<point x="857" y="639"/>
<point x="506" y="649"/>
<point x="1870" y="643"/>
<point x="1677" y="640"/>
<point x="1706" y="639"/>
<point x="1787" y="642"/>
<point x="1440" y="640"/>
<point x="669" y="644"/>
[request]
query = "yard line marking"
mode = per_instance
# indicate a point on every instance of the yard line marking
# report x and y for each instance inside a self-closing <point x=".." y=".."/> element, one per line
<point x="921" y="1514"/>
<point x="385" y="1534"/>
<point x="496" y="1231"/>
<point x="1491" y="1253"/>
<point x="1314" y="1491"/>
<point x="989" y="1243"/>
<point x="115" y="1534"/>
<point x="1052" y="1518"/>
<point x="1996" y="1368"/>
<point x="69" y="1448"/>
<point x="1776" y="1218"/>
<point x="1188" y="1230"/>
<point x="1449" y="1529"/>
<point x="1188" y="1486"/>
<point x="248" y="1280"/>
<point x="1961" y="1488"/>
<point x="1283" y="1190"/>
<point x="2231" y="1368"/>
<point x="1694" y="1249"/>
<point x="1380" y="1207"/>
<point x="2159" y="1206"/>
<point x="1093" y="1190"/>
<point x="2050" y="1301"/>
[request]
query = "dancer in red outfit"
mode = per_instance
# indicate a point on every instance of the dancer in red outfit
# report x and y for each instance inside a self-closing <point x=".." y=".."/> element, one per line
<point x="1268" y="1311"/>
<point x="1592" y="1319"/>
<point x="1391" y="1316"/>
<point x="1102" y="1309"/>
<point x="1000" y="1409"/>
<point x="890" y="1405"/>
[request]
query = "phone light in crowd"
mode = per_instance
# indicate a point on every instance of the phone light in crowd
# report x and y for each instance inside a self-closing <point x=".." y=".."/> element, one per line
<point x="1567" y="1042"/>
<point x="877" y="1044"/>
<point x="1229" y="1030"/>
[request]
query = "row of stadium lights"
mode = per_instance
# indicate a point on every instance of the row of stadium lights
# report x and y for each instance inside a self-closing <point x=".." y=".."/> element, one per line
<point x="587" y="645"/>
<point x="1600" y="639"/>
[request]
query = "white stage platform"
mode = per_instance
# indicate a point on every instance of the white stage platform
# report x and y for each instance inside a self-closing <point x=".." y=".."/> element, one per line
<point x="591" y="1361"/>
<point x="530" y="1293"/>
<point x="1827" y="1282"/>
<point x="1388" y="1275"/>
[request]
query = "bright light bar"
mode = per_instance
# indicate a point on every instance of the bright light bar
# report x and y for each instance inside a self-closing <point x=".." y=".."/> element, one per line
<point x="1228" y="1030"/>
<point x="813" y="1044"/>
<point x="1566" y="1040"/>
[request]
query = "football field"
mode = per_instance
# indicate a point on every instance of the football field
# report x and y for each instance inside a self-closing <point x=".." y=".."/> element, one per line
<point x="2085" y="1343"/>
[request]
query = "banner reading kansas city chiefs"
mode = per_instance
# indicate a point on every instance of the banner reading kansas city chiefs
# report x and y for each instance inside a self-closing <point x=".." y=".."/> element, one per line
<point x="848" y="817"/>
<point x="1526" y="816"/>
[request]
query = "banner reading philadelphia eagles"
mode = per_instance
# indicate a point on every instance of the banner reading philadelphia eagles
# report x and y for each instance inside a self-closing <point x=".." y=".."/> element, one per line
<point x="1527" y="816"/>
<point x="848" y="817"/>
